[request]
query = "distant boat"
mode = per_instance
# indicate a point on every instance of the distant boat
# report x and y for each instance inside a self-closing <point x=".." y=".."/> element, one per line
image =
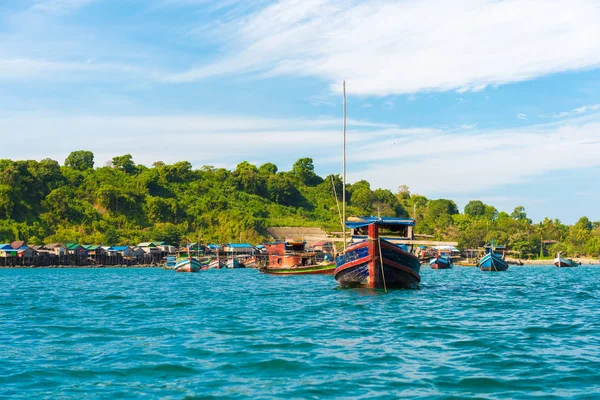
<point x="377" y="262"/>
<point x="441" y="262"/>
<point x="232" y="262"/>
<point x="292" y="258"/>
<point x="251" y="262"/>
<point x="492" y="261"/>
<point x="565" y="262"/>
<point x="217" y="263"/>
<point x="319" y="269"/>
<point x="188" y="264"/>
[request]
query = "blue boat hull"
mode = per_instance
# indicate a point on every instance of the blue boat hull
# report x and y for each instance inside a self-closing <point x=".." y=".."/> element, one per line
<point x="360" y="266"/>
<point x="492" y="262"/>
<point x="440" y="262"/>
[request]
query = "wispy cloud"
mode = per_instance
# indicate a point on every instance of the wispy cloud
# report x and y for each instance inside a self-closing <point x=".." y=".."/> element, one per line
<point x="389" y="47"/>
<point x="29" y="68"/>
<point x="477" y="160"/>
<point x="60" y="7"/>
<point x="447" y="161"/>
<point x="522" y="116"/>
<point x="578" y="111"/>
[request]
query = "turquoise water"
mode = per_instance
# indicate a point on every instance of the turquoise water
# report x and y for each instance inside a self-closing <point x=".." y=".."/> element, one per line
<point x="528" y="332"/>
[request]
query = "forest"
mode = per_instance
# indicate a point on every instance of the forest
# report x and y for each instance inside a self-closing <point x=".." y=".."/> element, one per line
<point x="127" y="203"/>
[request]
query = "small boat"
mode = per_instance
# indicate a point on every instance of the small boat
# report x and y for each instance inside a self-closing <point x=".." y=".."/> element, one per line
<point x="373" y="261"/>
<point x="441" y="262"/>
<point x="217" y="263"/>
<point x="565" y="262"/>
<point x="318" y="269"/>
<point x="492" y="261"/>
<point x="232" y="262"/>
<point x="188" y="264"/>
<point x="292" y="258"/>
<point x="251" y="262"/>
<point x="466" y="263"/>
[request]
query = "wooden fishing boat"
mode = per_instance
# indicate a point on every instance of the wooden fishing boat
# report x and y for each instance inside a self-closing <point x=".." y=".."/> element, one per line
<point x="232" y="262"/>
<point x="565" y="262"/>
<point x="441" y="262"/>
<point x="318" y="269"/>
<point x="188" y="264"/>
<point x="292" y="258"/>
<point x="217" y="263"/>
<point x="492" y="261"/>
<point x="466" y="263"/>
<point x="251" y="262"/>
<point x="373" y="261"/>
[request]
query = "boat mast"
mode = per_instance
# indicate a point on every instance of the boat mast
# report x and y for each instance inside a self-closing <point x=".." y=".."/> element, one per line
<point x="344" y="181"/>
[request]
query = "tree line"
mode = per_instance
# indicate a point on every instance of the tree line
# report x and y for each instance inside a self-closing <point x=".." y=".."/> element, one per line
<point x="124" y="202"/>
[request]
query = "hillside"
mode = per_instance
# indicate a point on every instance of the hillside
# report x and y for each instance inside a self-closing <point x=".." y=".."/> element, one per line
<point x="42" y="201"/>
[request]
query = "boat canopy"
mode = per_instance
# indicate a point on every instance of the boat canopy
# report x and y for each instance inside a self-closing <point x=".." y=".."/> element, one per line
<point x="355" y="223"/>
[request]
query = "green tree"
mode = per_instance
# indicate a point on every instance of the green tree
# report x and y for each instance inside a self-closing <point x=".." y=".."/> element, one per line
<point x="124" y="163"/>
<point x="519" y="213"/>
<point x="80" y="160"/>
<point x="304" y="171"/>
<point x="475" y="208"/>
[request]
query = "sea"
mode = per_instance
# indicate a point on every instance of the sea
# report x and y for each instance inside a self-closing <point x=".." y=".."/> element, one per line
<point x="529" y="332"/>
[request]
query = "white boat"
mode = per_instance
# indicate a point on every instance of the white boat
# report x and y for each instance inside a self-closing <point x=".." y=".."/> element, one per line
<point x="564" y="262"/>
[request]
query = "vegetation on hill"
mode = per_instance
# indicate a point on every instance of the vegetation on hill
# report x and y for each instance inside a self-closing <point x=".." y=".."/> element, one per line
<point x="42" y="201"/>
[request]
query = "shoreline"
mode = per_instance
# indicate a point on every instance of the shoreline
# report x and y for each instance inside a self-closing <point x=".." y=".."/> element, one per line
<point x="79" y="266"/>
<point x="583" y="261"/>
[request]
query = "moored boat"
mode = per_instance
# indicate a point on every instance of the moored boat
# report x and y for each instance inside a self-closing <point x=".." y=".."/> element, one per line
<point x="318" y="269"/>
<point x="373" y="261"/>
<point x="565" y="262"/>
<point x="292" y="258"/>
<point x="188" y="264"/>
<point x="492" y="261"/>
<point x="251" y="262"/>
<point x="441" y="262"/>
<point x="217" y="263"/>
<point x="232" y="262"/>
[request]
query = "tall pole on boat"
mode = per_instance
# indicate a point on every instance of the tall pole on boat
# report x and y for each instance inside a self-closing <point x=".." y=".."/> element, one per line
<point x="344" y="182"/>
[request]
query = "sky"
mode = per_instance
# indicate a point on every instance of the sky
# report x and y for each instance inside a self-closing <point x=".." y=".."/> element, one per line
<point x="496" y="100"/>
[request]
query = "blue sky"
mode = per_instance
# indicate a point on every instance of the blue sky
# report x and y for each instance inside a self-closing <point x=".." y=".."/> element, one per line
<point x="471" y="99"/>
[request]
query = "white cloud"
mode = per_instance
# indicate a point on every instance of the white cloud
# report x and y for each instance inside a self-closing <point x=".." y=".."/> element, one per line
<point x="384" y="47"/>
<point x="14" y="68"/>
<point x="59" y="7"/>
<point x="475" y="161"/>
<point x="522" y="116"/>
<point x="578" y="111"/>
<point x="444" y="161"/>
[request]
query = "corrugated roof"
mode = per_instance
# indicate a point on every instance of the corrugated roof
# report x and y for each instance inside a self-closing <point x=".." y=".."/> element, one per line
<point x="119" y="248"/>
<point x="146" y="244"/>
<point x="240" y="245"/>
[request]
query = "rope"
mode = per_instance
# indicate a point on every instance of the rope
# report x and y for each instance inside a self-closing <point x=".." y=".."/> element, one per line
<point x="381" y="264"/>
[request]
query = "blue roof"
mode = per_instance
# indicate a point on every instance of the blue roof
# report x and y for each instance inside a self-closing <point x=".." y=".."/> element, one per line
<point x="382" y="221"/>
<point x="119" y="248"/>
<point x="213" y="246"/>
<point x="239" y="245"/>
<point x="5" y="247"/>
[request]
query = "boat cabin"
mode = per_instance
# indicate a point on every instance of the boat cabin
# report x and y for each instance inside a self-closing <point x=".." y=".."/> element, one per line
<point x="398" y="231"/>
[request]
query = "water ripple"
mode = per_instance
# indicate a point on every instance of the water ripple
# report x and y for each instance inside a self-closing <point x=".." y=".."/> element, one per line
<point x="526" y="333"/>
